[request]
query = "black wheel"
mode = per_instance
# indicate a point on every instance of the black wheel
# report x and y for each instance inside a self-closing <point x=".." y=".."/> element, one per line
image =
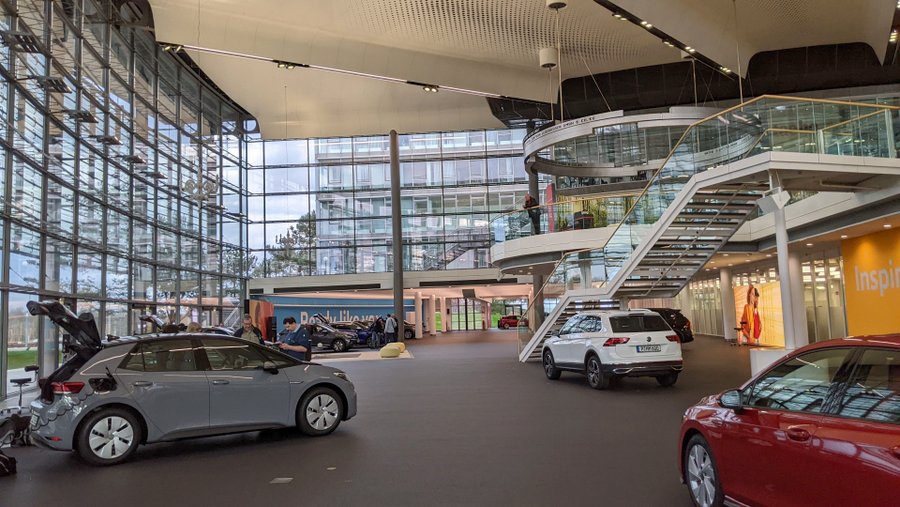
<point x="108" y="436"/>
<point x="320" y="412"/>
<point x="550" y="368"/>
<point x="408" y="334"/>
<point x="701" y="474"/>
<point x="339" y="345"/>
<point x="596" y="378"/>
<point x="667" y="380"/>
<point x="505" y="325"/>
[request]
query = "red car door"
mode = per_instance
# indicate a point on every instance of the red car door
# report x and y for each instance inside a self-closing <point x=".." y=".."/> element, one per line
<point x="857" y="449"/>
<point x="765" y="447"/>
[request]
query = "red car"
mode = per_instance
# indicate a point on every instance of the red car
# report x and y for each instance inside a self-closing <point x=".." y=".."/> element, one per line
<point x="819" y="427"/>
<point x="508" y="321"/>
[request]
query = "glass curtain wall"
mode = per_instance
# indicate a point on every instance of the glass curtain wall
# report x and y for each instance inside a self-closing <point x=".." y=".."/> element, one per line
<point x="103" y="136"/>
<point x="323" y="206"/>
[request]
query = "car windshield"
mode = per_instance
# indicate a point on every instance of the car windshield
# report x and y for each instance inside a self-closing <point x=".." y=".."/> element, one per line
<point x="636" y="323"/>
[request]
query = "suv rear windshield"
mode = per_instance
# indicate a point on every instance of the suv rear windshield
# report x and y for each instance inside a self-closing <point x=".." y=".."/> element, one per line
<point x="635" y="323"/>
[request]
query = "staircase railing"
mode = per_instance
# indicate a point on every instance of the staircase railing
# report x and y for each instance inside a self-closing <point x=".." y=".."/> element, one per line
<point x="764" y="124"/>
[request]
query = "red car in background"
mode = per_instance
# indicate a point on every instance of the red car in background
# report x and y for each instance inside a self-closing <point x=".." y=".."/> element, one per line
<point x="508" y="321"/>
<point x="819" y="427"/>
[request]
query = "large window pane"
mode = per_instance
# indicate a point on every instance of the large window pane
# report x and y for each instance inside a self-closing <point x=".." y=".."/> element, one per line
<point x="24" y="256"/>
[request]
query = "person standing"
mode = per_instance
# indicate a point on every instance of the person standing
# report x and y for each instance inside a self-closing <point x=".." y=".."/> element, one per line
<point x="296" y="342"/>
<point x="534" y="213"/>
<point x="390" y="329"/>
<point x="248" y="331"/>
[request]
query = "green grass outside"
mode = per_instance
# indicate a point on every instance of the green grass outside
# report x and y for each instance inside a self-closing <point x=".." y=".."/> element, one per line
<point x="21" y="358"/>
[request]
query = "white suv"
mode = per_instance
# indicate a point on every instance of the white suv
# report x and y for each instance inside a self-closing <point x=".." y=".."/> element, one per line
<point x="606" y="345"/>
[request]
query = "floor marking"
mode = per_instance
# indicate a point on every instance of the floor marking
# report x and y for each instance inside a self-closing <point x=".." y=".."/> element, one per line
<point x="281" y="480"/>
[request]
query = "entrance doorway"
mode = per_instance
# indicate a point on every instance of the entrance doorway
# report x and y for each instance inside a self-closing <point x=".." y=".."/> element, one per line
<point x="466" y="314"/>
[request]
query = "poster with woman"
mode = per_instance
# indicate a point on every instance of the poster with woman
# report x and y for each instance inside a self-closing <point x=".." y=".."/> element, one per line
<point x="759" y="316"/>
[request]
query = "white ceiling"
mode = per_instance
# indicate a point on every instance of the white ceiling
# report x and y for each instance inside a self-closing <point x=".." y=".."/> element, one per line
<point x="767" y="25"/>
<point x="485" y="45"/>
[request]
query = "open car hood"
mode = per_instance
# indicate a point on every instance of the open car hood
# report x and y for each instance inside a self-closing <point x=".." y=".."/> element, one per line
<point x="83" y="329"/>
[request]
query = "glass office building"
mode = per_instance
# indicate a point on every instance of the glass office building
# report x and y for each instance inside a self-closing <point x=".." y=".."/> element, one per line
<point x="323" y="206"/>
<point x="121" y="181"/>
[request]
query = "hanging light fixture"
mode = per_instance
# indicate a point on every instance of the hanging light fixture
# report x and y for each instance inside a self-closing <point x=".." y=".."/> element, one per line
<point x="556" y="5"/>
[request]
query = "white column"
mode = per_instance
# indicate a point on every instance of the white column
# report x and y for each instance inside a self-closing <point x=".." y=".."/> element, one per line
<point x="801" y="333"/>
<point x="485" y="315"/>
<point x="445" y="317"/>
<point x="726" y="292"/>
<point x="432" y="315"/>
<point x="784" y="276"/>
<point x="419" y="316"/>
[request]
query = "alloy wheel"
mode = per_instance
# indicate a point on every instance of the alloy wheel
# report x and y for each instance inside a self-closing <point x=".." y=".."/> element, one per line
<point x="322" y="412"/>
<point x="111" y="437"/>
<point x="701" y="476"/>
<point x="593" y="372"/>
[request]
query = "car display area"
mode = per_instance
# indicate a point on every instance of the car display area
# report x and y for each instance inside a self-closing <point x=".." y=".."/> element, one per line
<point x="445" y="427"/>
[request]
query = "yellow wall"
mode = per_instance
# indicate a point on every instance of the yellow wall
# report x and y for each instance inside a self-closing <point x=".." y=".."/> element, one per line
<point x="770" y="314"/>
<point x="872" y="283"/>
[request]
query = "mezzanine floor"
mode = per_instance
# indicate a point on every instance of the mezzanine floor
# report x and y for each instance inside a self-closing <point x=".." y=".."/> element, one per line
<point x="463" y="423"/>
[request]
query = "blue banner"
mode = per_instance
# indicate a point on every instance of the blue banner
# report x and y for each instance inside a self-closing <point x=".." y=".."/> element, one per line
<point x="333" y="309"/>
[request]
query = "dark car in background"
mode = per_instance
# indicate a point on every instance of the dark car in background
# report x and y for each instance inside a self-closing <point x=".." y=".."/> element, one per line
<point x="363" y="330"/>
<point x="508" y="321"/>
<point x="678" y="322"/>
<point x="323" y="336"/>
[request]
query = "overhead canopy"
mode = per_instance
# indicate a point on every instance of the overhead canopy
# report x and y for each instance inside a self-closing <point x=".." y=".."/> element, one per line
<point x="488" y="46"/>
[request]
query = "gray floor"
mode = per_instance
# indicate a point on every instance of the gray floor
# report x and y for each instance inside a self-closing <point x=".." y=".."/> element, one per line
<point x="461" y="424"/>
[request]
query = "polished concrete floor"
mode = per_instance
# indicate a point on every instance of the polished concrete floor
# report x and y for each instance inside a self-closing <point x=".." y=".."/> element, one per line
<point x="463" y="423"/>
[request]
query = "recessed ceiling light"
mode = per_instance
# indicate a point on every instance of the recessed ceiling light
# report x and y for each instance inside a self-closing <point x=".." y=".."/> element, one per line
<point x="768" y="255"/>
<point x="646" y="25"/>
<point x="746" y="260"/>
<point x="843" y="236"/>
<point x="809" y="244"/>
<point x="730" y="265"/>
<point x="667" y="43"/>
<point x="887" y="226"/>
<point x="430" y="88"/>
<point x="726" y="255"/>
<point x="689" y="49"/>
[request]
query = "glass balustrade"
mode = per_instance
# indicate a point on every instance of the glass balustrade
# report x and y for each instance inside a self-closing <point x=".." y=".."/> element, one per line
<point x="765" y="124"/>
<point x="562" y="216"/>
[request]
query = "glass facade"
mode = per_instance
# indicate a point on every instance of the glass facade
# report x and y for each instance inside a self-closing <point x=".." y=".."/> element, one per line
<point x="323" y="206"/>
<point x="104" y="138"/>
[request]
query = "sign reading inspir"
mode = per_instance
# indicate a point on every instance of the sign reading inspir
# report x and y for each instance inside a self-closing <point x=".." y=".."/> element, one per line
<point x="872" y="283"/>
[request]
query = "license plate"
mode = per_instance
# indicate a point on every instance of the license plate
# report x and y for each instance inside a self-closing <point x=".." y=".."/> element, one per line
<point x="35" y="420"/>
<point x="649" y="348"/>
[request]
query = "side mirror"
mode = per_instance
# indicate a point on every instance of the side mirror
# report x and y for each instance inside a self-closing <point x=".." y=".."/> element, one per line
<point x="733" y="399"/>
<point x="270" y="367"/>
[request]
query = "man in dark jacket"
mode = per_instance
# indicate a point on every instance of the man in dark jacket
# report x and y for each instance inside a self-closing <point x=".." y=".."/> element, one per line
<point x="534" y="213"/>
<point x="248" y="331"/>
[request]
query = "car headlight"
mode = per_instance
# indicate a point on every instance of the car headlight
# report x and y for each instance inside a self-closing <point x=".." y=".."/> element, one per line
<point x="342" y="375"/>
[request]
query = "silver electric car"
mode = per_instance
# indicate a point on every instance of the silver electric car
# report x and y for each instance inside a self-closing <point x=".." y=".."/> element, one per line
<point x="110" y="396"/>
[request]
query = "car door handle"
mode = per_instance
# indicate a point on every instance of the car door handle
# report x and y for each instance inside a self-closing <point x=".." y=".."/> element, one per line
<point x="798" y="434"/>
<point x="896" y="451"/>
<point x="219" y="382"/>
<point x="142" y="383"/>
